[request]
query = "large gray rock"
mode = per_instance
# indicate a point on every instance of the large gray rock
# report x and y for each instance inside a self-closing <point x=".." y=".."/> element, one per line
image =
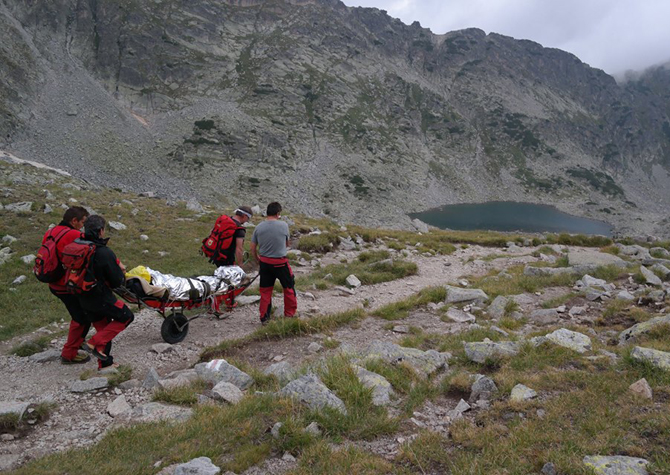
<point x="424" y="362"/>
<point x="381" y="388"/>
<point x="544" y="316"/>
<point x="631" y="334"/>
<point x="156" y="411"/>
<point x="616" y="465"/>
<point x="227" y="392"/>
<point x="641" y="387"/>
<point x="91" y="384"/>
<point x="352" y="281"/>
<point x="282" y="371"/>
<point x="483" y="388"/>
<point x="118" y="406"/>
<point x="45" y="356"/>
<point x="20" y="207"/>
<point x="522" y="393"/>
<point x="459" y="316"/>
<point x="548" y="271"/>
<point x="420" y="225"/>
<point x="194" y="205"/>
<point x="569" y="339"/>
<point x="310" y="390"/>
<point x="151" y="379"/>
<point x="220" y="370"/>
<point x="117" y="226"/>
<point x="497" y="307"/>
<point x="457" y="294"/>
<point x="650" y="277"/>
<point x="28" y="259"/>
<point x="13" y="407"/>
<point x="594" y="258"/>
<point x="635" y="251"/>
<point x="199" y="466"/>
<point x="663" y="270"/>
<point x="173" y="383"/>
<point x="660" y="359"/>
<point x="481" y="351"/>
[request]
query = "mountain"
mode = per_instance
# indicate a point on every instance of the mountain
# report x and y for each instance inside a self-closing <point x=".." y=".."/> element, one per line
<point x="332" y="110"/>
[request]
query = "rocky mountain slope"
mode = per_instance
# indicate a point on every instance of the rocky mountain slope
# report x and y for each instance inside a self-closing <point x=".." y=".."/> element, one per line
<point x="337" y="111"/>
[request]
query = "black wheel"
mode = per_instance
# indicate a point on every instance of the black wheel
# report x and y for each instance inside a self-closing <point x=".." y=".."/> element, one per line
<point x="174" y="328"/>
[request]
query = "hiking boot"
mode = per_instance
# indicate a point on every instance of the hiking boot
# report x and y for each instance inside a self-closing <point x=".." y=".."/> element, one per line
<point x="265" y="319"/>
<point x="79" y="359"/>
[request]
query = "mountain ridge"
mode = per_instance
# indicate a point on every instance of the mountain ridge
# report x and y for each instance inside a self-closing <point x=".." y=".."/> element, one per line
<point x="336" y="110"/>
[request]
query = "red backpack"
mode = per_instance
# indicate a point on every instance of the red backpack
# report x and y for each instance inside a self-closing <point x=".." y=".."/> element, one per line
<point x="76" y="260"/>
<point x="48" y="268"/>
<point x="220" y="239"/>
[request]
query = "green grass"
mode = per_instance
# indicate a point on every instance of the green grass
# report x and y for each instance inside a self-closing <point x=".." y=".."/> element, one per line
<point x="32" y="347"/>
<point x="401" y="309"/>
<point x="285" y="328"/>
<point x="369" y="267"/>
<point x="182" y="395"/>
<point x="320" y="243"/>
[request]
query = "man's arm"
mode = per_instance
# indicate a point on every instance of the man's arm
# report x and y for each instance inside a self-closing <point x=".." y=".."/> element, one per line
<point x="239" y="251"/>
<point x="254" y="251"/>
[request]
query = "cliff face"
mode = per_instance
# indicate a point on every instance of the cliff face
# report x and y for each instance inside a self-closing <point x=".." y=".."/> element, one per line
<point x="334" y="110"/>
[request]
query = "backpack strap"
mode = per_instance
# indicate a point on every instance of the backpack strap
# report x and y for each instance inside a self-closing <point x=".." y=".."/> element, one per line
<point x="60" y="236"/>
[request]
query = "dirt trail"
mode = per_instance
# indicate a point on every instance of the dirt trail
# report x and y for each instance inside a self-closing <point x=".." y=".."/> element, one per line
<point x="81" y="420"/>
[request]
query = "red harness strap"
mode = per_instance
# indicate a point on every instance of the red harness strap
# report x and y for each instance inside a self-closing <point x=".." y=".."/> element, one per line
<point x="275" y="261"/>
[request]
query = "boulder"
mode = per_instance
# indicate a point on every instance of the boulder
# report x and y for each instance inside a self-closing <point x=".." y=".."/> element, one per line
<point x="588" y="281"/>
<point x="116" y="226"/>
<point x="173" y="383"/>
<point x="498" y="306"/>
<point x="660" y="359"/>
<point x="156" y="411"/>
<point x="20" y="207"/>
<point x="631" y="334"/>
<point x="650" y="277"/>
<point x="220" y="370"/>
<point x="352" y="281"/>
<point x="420" y="225"/>
<point x="544" y="316"/>
<point x="616" y="465"/>
<point x="19" y="280"/>
<point x="642" y="388"/>
<point x="459" y="316"/>
<point x="481" y="351"/>
<point x="9" y="462"/>
<point x="8" y="239"/>
<point x="423" y="362"/>
<point x="118" y="406"/>
<point x="347" y="244"/>
<point x="522" y="393"/>
<point x="594" y="259"/>
<point x="45" y="356"/>
<point x="544" y="271"/>
<point x="13" y="408"/>
<point x="28" y="259"/>
<point x="660" y="251"/>
<point x="310" y="390"/>
<point x="247" y="300"/>
<point x="635" y="251"/>
<point x="625" y="295"/>
<point x="151" y="379"/>
<point x="91" y="384"/>
<point x="314" y="347"/>
<point x="458" y="411"/>
<point x="199" y="466"/>
<point x="227" y="392"/>
<point x="194" y="205"/>
<point x="457" y="294"/>
<point x="282" y="371"/>
<point x="483" y="388"/>
<point x="313" y="429"/>
<point x="661" y="269"/>
<point x="381" y="388"/>
<point x="569" y="339"/>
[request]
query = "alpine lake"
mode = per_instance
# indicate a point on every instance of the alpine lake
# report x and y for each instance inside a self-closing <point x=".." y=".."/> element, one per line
<point x="511" y="216"/>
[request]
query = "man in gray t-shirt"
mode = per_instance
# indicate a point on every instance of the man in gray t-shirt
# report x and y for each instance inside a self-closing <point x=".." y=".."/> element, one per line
<point x="268" y="246"/>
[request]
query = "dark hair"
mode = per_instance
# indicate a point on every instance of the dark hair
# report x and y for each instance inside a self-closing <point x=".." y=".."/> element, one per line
<point x="75" y="212"/>
<point x="243" y="209"/>
<point x="94" y="224"/>
<point x="274" y="209"/>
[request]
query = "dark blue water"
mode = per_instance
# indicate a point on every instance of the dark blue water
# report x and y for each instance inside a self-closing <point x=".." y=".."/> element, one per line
<point x="510" y="216"/>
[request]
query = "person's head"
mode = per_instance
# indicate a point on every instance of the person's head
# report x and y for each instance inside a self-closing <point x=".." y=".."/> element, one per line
<point x="95" y="226"/>
<point x="243" y="214"/>
<point x="75" y="216"/>
<point x="274" y="209"/>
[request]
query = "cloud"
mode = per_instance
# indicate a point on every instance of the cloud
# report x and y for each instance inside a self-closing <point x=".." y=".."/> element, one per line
<point x="614" y="35"/>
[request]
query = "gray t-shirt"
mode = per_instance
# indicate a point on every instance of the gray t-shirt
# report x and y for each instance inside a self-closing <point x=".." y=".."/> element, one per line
<point x="271" y="237"/>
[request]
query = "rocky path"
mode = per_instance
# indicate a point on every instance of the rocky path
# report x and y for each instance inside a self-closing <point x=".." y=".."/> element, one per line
<point x="82" y="419"/>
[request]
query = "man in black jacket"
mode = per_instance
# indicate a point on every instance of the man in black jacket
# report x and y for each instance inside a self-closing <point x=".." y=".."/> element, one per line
<point x="109" y="315"/>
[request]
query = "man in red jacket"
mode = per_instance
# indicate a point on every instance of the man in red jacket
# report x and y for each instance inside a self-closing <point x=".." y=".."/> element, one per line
<point x="67" y="231"/>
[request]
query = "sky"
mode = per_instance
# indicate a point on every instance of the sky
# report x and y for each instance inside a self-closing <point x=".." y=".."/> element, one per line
<point x="613" y="35"/>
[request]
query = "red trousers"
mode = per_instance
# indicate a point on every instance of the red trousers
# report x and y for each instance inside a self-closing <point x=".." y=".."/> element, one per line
<point x="272" y="269"/>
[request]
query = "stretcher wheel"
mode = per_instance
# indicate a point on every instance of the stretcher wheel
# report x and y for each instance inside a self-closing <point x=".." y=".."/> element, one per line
<point x="174" y="328"/>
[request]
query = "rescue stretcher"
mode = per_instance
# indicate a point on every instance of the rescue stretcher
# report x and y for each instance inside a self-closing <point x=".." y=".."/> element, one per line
<point x="175" y="324"/>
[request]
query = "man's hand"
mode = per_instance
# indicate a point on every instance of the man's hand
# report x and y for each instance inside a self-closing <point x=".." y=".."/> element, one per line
<point x="122" y="266"/>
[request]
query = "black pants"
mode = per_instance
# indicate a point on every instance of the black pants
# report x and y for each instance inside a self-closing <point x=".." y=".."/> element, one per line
<point x="109" y="321"/>
<point x="269" y="273"/>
